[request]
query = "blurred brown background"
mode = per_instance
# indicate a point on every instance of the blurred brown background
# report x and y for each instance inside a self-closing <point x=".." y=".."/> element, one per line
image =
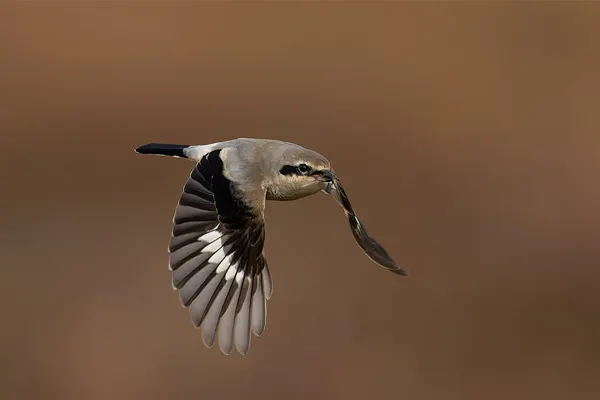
<point x="465" y="133"/>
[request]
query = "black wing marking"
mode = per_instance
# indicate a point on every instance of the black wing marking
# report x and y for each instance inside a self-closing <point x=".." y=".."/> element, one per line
<point x="367" y="243"/>
<point x="217" y="260"/>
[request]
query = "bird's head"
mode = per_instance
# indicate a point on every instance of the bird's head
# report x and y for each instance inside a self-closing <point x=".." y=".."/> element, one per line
<point x="301" y="172"/>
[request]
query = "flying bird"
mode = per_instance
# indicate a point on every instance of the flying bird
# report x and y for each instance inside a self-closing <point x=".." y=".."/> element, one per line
<point x="216" y="251"/>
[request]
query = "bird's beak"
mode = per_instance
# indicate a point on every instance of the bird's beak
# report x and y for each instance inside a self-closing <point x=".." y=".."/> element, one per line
<point x="325" y="176"/>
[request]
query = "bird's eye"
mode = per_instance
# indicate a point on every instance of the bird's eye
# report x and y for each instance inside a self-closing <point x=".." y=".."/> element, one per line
<point x="303" y="168"/>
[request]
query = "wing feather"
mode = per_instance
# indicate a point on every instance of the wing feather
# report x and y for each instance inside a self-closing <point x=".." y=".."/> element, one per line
<point x="258" y="310"/>
<point x="216" y="258"/>
<point x="242" y="318"/>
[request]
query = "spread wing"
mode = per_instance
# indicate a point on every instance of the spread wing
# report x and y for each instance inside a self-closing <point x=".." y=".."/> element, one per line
<point x="367" y="243"/>
<point x="216" y="258"/>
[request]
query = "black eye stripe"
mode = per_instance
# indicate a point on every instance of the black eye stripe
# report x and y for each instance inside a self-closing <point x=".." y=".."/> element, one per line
<point x="288" y="170"/>
<point x="301" y="169"/>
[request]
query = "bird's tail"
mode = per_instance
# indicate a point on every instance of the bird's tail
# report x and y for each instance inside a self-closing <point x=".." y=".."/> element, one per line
<point x="160" y="149"/>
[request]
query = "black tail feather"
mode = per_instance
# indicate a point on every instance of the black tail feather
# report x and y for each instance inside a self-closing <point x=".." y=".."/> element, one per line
<point x="173" y="150"/>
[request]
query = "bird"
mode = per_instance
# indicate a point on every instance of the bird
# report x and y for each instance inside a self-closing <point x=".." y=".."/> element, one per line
<point x="216" y="251"/>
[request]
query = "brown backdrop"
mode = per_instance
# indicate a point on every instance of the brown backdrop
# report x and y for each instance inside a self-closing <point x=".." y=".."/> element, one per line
<point x="466" y="135"/>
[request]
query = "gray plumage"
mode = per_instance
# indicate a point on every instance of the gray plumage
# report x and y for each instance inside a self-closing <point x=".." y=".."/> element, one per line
<point x="216" y="250"/>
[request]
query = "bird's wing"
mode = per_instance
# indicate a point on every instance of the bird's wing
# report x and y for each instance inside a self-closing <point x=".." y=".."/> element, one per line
<point x="216" y="257"/>
<point x="367" y="243"/>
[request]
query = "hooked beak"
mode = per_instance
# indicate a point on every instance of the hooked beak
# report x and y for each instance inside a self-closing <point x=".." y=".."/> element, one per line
<point x="325" y="176"/>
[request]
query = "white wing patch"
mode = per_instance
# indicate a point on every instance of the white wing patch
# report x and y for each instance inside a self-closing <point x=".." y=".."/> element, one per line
<point x="210" y="236"/>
